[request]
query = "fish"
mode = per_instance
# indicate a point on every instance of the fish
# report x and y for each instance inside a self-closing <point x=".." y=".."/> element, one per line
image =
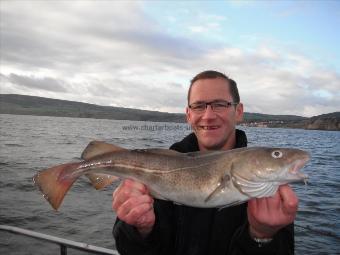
<point x="212" y="179"/>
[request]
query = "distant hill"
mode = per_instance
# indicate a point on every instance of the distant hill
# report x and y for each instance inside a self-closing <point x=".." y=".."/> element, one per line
<point x="330" y="121"/>
<point x="32" y="105"/>
<point x="256" y="117"/>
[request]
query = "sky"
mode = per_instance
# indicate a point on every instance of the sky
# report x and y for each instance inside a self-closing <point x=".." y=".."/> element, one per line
<point x="284" y="55"/>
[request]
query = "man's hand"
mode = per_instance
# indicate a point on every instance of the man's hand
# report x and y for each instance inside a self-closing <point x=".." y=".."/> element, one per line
<point x="266" y="216"/>
<point x="133" y="205"/>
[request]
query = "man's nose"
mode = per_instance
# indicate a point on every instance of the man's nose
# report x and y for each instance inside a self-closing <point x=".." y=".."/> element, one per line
<point x="209" y="113"/>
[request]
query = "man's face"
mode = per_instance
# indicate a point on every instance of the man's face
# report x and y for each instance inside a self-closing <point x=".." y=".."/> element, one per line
<point x="214" y="130"/>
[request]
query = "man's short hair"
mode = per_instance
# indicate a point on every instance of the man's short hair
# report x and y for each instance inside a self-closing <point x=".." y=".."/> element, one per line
<point x="210" y="74"/>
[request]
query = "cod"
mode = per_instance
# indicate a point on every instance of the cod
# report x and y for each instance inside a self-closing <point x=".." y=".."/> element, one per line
<point x="198" y="179"/>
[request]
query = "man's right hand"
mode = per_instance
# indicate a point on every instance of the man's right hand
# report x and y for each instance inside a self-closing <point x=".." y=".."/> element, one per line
<point x="134" y="205"/>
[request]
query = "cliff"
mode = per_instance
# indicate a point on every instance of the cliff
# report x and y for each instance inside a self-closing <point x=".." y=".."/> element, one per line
<point x="329" y="121"/>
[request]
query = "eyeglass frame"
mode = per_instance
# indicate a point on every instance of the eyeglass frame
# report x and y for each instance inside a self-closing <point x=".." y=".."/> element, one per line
<point x="211" y="103"/>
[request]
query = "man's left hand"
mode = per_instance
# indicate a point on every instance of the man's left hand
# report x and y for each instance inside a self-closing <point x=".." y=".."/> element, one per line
<point x="268" y="215"/>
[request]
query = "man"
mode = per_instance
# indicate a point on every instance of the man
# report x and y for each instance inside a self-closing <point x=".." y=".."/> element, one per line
<point x="261" y="226"/>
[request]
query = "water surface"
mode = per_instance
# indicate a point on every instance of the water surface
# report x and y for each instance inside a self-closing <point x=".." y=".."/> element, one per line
<point x="31" y="143"/>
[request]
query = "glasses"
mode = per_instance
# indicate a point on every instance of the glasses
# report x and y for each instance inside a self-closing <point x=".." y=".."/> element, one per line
<point x="216" y="106"/>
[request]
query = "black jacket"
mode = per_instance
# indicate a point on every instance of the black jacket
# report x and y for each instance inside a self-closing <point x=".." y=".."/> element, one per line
<point x="184" y="230"/>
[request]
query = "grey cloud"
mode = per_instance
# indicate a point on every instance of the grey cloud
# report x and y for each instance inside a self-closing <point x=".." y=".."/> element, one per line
<point x="46" y="83"/>
<point x="159" y="42"/>
<point x="105" y="90"/>
<point x="77" y="35"/>
<point x="142" y="95"/>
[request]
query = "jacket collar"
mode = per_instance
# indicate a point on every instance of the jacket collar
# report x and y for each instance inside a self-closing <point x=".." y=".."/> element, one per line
<point x="190" y="143"/>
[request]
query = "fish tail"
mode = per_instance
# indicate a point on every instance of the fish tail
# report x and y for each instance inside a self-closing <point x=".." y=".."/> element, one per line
<point x="54" y="182"/>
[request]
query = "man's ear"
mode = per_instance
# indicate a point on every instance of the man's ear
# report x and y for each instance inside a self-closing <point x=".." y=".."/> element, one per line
<point x="239" y="113"/>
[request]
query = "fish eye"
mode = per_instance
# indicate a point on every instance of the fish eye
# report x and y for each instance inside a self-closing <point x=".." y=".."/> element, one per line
<point x="277" y="154"/>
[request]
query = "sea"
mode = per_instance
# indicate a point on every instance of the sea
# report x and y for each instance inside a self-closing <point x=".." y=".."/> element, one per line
<point x="31" y="143"/>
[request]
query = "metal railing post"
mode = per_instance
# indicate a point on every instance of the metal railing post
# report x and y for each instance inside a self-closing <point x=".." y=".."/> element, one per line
<point x="63" y="250"/>
<point x="63" y="243"/>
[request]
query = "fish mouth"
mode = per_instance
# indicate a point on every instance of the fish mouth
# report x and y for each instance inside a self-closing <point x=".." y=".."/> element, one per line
<point x="294" y="170"/>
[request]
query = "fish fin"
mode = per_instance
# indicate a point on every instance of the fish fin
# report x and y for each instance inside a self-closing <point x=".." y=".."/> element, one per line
<point x="220" y="187"/>
<point x="266" y="190"/>
<point x="96" y="148"/>
<point x="254" y="189"/>
<point x="53" y="184"/>
<point x="100" y="181"/>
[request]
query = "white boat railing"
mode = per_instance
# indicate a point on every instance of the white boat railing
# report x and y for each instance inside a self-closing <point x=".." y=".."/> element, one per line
<point x="63" y="243"/>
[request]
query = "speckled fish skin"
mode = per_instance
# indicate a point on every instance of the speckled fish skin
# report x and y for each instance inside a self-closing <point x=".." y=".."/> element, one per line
<point x="199" y="179"/>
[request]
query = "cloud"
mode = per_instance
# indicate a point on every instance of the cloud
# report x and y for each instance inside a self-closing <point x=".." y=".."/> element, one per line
<point x="206" y="23"/>
<point x="119" y="92"/>
<point x="109" y="34"/>
<point x="279" y="82"/>
<point x="44" y="83"/>
<point x="114" y="53"/>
